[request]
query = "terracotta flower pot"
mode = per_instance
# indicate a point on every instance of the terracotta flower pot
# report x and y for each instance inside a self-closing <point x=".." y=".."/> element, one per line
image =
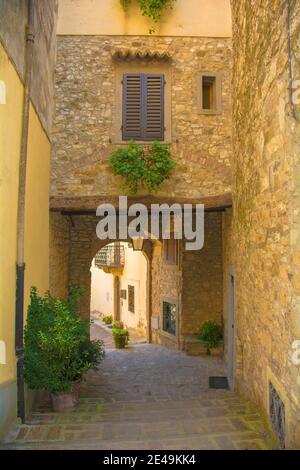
<point x="63" y="402"/>
<point x="75" y="390"/>
<point x="120" y="341"/>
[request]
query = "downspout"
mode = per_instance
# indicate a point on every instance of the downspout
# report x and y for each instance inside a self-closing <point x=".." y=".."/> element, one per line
<point x="21" y="213"/>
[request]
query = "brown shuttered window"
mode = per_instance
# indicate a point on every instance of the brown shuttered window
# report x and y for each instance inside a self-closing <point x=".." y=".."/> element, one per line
<point x="143" y="107"/>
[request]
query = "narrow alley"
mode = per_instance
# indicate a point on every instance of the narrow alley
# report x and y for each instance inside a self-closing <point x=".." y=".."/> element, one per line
<point x="147" y="397"/>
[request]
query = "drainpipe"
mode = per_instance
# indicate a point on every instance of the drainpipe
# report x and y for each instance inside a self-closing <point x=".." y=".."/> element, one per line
<point x="21" y="213"/>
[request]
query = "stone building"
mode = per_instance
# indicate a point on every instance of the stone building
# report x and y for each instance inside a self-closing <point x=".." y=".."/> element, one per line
<point x="225" y="80"/>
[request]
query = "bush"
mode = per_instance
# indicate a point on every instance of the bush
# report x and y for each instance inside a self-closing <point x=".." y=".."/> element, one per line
<point x="211" y="334"/>
<point x="118" y="325"/>
<point x="140" y="169"/>
<point x="121" y="337"/>
<point x="107" y="319"/>
<point x="57" y="346"/>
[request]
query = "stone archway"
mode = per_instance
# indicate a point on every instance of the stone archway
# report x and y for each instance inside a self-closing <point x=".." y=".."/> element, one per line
<point x="83" y="246"/>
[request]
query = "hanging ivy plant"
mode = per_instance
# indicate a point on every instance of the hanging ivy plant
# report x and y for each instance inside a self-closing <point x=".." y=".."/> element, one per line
<point x="140" y="168"/>
<point x="154" y="9"/>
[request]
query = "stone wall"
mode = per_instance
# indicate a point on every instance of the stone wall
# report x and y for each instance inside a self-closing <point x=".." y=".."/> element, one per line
<point x="166" y="285"/>
<point x="266" y="204"/>
<point x="59" y="254"/>
<point x="86" y="111"/>
<point x="202" y="288"/>
<point x="13" y="20"/>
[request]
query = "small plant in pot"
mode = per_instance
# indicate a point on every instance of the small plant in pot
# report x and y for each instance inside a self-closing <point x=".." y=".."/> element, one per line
<point x="211" y="335"/>
<point x="107" y="319"/>
<point x="121" y="337"/>
<point x="57" y="349"/>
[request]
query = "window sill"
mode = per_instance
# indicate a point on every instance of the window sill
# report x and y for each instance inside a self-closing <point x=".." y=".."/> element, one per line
<point x="173" y="338"/>
<point x="140" y="142"/>
<point x="207" y="112"/>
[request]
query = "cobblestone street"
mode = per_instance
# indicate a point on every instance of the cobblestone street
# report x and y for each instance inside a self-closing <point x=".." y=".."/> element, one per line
<point x="147" y="397"/>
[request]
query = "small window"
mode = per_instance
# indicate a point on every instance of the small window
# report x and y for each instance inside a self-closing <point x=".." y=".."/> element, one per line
<point x="210" y="93"/>
<point x="143" y="107"/>
<point x="171" y="251"/>
<point x="131" y="299"/>
<point x="169" y="318"/>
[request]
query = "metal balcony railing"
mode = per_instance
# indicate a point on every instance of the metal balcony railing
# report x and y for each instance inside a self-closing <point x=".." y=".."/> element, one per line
<point x="111" y="257"/>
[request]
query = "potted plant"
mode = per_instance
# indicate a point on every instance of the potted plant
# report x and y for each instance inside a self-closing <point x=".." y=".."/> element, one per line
<point x="121" y="337"/>
<point x="107" y="319"/>
<point x="211" y="335"/>
<point x="118" y="325"/>
<point x="57" y="349"/>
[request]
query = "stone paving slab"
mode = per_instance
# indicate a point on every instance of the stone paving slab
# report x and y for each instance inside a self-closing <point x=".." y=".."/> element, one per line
<point x="147" y="397"/>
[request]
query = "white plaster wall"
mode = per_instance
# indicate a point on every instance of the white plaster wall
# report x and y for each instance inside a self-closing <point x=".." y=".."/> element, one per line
<point x="102" y="291"/>
<point x="135" y="274"/>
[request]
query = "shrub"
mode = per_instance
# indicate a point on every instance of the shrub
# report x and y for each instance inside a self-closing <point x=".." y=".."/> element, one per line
<point x="57" y="346"/>
<point x="140" y="169"/>
<point x="118" y="325"/>
<point x="107" y="319"/>
<point x="121" y="337"/>
<point x="211" y="334"/>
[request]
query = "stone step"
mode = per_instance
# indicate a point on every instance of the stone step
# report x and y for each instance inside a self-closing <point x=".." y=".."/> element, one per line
<point x="140" y="415"/>
<point x="142" y="429"/>
<point x="216" y="397"/>
<point x="236" y="441"/>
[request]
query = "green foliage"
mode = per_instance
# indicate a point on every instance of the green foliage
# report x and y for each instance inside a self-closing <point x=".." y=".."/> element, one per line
<point x="120" y="332"/>
<point x="153" y="9"/>
<point x="107" y="319"/>
<point x="57" y="346"/>
<point x="118" y="325"/>
<point x="140" y="169"/>
<point x="211" y="334"/>
<point x="121" y="337"/>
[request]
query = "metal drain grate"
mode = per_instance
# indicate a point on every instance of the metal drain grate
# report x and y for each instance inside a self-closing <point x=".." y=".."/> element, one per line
<point x="277" y="414"/>
<point x="218" y="382"/>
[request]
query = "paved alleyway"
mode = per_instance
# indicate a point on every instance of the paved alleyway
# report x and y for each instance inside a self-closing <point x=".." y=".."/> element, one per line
<point x="147" y="397"/>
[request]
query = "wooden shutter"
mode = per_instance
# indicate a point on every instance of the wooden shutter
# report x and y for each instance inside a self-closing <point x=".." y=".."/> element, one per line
<point x="154" y="109"/>
<point x="132" y="107"/>
<point x="143" y="107"/>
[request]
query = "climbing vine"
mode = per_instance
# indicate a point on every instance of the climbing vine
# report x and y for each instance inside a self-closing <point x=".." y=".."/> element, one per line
<point x="140" y="168"/>
<point x="153" y="9"/>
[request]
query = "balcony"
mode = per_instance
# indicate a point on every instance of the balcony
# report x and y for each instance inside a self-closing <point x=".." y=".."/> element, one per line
<point x="111" y="259"/>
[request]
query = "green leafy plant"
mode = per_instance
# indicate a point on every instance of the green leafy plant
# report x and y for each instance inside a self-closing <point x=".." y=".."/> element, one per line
<point x="153" y="9"/>
<point x="143" y="169"/>
<point x="118" y="325"/>
<point x="211" y="334"/>
<point x="107" y="319"/>
<point x="121" y="337"/>
<point x="57" y="348"/>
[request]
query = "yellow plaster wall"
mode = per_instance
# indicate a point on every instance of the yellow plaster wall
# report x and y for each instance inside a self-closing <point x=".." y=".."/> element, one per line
<point x="209" y="18"/>
<point x="37" y="208"/>
<point x="10" y="141"/>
